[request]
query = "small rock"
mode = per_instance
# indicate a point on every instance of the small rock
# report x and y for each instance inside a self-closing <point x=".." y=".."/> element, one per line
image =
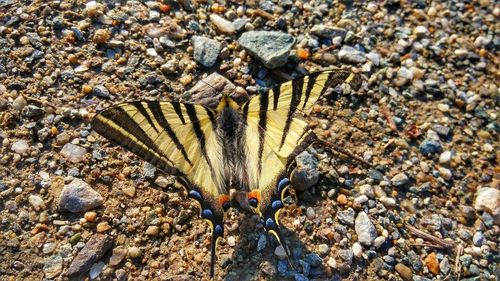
<point x="231" y="241"/>
<point x="379" y="241"/>
<point x="306" y="173"/>
<point x="323" y="249"/>
<point x="153" y="230"/>
<point x="349" y="54"/>
<point x="488" y="199"/>
<point x="365" y="229"/>
<point x="94" y="249"/>
<point x="445" y="173"/>
<point x="121" y="275"/>
<point x="36" y="202"/>
<point x="432" y="263"/>
<point x="310" y="213"/>
<point x="101" y="36"/>
<point x="347" y="216"/>
<point x="367" y="190"/>
<point x="78" y="196"/>
<point x="222" y="24"/>
<point x="134" y="252"/>
<point x="404" y="271"/>
<point x="346" y="255"/>
<point x="445" y="157"/>
<point x="262" y="242"/>
<point x="20" y="147"/>
<point x="387" y="201"/>
<point x="400" y="180"/>
<point x="73" y="153"/>
<point x="271" y="48"/>
<point x="478" y="239"/>
<point x="444" y="266"/>
<point x="19" y="103"/>
<point x="332" y="263"/>
<point x="53" y="266"/>
<point x="430" y="146"/>
<point x="96" y="270"/>
<point x="101" y="92"/>
<point x="361" y="199"/>
<point x="206" y="50"/>
<point x="280" y="252"/>
<point x="117" y="257"/>
<point x="420" y="31"/>
<point x="357" y="250"/>
<point x="328" y="32"/>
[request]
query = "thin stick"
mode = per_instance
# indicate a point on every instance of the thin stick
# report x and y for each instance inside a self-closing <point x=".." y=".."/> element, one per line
<point x="343" y="151"/>
<point x="427" y="245"/>
<point x="429" y="237"/>
<point x="388" y="116"/>
<point x="458" y="265"/>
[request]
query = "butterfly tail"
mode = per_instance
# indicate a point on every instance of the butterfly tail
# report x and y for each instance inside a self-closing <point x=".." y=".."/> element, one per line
<point x="217" y="233"/>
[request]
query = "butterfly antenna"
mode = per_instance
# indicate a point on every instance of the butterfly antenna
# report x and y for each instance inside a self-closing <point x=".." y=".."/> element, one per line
<point x="206" y="83"/>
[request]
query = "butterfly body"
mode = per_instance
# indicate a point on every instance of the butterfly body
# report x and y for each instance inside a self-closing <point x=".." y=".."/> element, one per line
<point x="248" y="148"/>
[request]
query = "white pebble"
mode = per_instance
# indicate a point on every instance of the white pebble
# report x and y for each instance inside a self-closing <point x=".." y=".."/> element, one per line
<point x="20" y="147"/>
<point x="445" y="173"/>
<point x="36" y="202"/>
<point x="361" y="199"/>
<point x="357" y="250"/>
<point x="445" y="157"/>
<point x="379" y="241"/>
<point x="231" y="241"/>
<point x="388" y="201"/>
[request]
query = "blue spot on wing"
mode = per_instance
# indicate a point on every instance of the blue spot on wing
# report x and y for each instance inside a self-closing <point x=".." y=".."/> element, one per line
<point x="196" y="195"/>
<point x="218" y="230"/>
<point x="276" y="205"/>
<point x="284" y="182"/>
<point x="270" y="224"/>
<point x="207" y="214"/>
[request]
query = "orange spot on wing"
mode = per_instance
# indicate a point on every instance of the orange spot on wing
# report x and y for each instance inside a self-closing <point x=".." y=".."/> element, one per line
<point x="223" y="199"/>
<point x="254" y="194"/>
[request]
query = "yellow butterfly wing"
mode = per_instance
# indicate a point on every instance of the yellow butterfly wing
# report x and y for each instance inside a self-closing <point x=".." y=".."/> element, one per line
<point x="178" y="138"/>
<point x="282" y="134"/>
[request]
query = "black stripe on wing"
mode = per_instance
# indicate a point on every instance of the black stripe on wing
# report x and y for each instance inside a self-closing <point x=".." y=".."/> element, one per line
<point x="297" y="85"/>
<point x="264" y="103"/>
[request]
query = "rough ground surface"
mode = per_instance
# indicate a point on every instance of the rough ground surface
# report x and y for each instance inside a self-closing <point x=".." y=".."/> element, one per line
<point x="426" y="116"/>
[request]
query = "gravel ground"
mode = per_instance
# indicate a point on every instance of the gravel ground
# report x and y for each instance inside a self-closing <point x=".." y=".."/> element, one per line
<point x="73" y="206"/>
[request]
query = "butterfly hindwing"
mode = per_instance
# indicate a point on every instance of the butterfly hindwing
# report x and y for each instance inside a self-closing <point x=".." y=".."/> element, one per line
<point x="179" y="139"/>
<point x="273" y="116"/>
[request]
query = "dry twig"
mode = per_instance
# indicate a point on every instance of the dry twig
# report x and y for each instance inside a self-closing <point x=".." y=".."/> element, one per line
<point x="426" y="236"/>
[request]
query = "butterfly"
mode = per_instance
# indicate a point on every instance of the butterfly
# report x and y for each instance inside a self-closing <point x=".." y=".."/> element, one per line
<point x="249" y="148"/>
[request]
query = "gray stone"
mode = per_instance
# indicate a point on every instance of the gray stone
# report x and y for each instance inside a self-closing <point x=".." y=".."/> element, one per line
<point x="349" y="54"/>
<point x="262" y="242"/>
<point x="399" y="180"/>
<point x="488" y="199"/>
<point x="78" y="196"/>
<point x="365" y="229"/>
<point x="478" y="239"/>
<point x="271" y="48"/>
<point x="206" y="50"/>
<point x="328" y="32"/>
<point x="306" y="173"/>
<point x="53" y="266"/>
<point x="101" y="92"/>
<point x="444" y="266"/>
<point x="93" y="250"/>
<point x="430" y="146"/>
<point x="73" y="152"/>
<point x="347" y="216"/>
<point x="346" y="255"/>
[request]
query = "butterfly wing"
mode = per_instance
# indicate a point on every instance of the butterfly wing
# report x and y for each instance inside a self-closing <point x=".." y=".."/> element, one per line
<point x="282" y="135"/>
<point x="180" y="139"/>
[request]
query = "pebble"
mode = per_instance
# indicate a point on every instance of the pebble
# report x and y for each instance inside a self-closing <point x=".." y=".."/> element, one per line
<point x="53" y="266"/>
<point x="444" y="266"/>
<point x="421" y="31"/>
<point x="430" y="146"/>
<point x="388" y="201"/>
<point x="445" y="173"/>
<point x="367" y="190"/>
<point x="488" y="199"/>
<point x="365" y="229"/>
<point x="101" y="92"/>
<point x="94" y="249"/>
<point x="432" y="263"/>
<point x="478" y="239"/>
<point x="37" y="202"/>
<point x="134" y="252"/>
<point x="342" y="199"/>
<point x="222" y="24"/>
<point x="306" y="173"/>
<point x="323" y="249"/>
<point x="361" y="199"/>
<point x="96" y="269"/>
<point x="73" y="152"/>
<point x="357" y="250"/>
<point x="379" y="241"/>
<point x="271" y="48"/>
<point x="280" y="252"/>
<point x="310" y="213"/>
<point x="19" y="103"/>
<point x="231" y="241"/>
<point x="206" y="50"/>
<point x="101" y="36"/>
<point x="404" y="272"/>
<point x="328" y="32"/>
<point x="117" y="256"/>
<point x="20" y="147"/>
<point x="347" y="216"/>
<point x="400" y="180"/>
<point x="445" y="157"/>
<point x="78" y="196"/>
<point x="350" y="55"/>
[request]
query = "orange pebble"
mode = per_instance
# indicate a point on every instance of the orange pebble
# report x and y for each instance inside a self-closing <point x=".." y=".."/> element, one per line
<point x="342" y="199"/>
<point x="303" y="54"/>
<point x="432" y="263"/>
<point x="165" y="8"/>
